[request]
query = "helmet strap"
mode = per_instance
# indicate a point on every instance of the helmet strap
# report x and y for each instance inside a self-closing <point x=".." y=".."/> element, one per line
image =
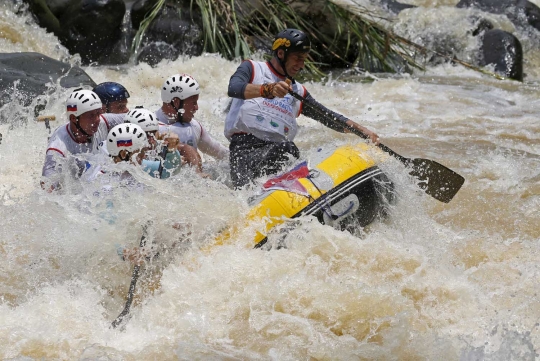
<point x="179" y="113"/>
<point x="282" y="64"/>
<point x="88" y="136"/>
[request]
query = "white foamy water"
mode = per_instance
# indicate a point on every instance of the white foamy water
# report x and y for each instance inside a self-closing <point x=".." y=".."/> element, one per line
<point x="434" y="281"/>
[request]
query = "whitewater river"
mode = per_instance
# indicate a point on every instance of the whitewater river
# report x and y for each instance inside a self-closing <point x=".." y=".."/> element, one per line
<point x="434" y="281"/>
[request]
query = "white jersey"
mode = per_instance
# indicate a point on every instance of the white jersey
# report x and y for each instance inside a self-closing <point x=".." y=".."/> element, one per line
<point x="272" y="120"/>
<point x="192" y="133"/>
<point x="62" y="144"/>
<point x="112" y="119"/>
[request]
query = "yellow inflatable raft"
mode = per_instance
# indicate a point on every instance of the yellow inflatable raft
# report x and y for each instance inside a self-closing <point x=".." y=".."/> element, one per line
<point x="338" y="186"/>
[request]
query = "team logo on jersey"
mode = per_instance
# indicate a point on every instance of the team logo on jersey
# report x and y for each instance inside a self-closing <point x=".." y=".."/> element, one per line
<point x="124" y="143"/>
<point x="259" y="117"/>
<point x="72" y="108"/>
<point x="274" y="124"/>
<point x="290" y="99"/>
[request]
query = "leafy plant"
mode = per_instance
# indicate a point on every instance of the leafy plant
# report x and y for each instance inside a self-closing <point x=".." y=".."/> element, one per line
<point x="232" y="28"/>
<point x="145" y="24"/>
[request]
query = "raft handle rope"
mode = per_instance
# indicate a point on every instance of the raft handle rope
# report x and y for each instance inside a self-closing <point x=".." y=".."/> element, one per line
<point x="326" y="207"/>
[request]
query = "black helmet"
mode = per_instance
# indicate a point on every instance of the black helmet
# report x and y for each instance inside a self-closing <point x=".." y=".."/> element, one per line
<point x="110" y="92"/>
<point x="291" y="40"/>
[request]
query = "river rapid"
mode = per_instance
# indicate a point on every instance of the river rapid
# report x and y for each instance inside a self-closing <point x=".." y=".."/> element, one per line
<point x="433" y="281"/>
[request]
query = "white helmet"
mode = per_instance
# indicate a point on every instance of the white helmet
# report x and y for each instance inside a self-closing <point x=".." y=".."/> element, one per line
<point x="142" y="117"/>
<point x="180" y="86"/>
<point x="82" y="101"/>
<point x="126" y="136"/>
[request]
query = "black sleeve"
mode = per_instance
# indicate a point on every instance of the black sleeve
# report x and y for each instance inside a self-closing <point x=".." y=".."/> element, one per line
<point x="322" y="114"/>
<point x="239" y="80"/>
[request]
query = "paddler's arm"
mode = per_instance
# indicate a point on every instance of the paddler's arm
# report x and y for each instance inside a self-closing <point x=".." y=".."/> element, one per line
<point x="333" y="120"/>
<point x="371" y="135"/>
<point x="51" y="170"/>
<point x="212" y="147"/>
<point x="49" y="188"/>
<point x="191" y="157"/>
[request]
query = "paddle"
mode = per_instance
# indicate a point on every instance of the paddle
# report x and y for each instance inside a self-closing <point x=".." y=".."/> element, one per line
<point x="163" y="154"/>
<point x="434" y="178"/>
<point x="134" y="278"/>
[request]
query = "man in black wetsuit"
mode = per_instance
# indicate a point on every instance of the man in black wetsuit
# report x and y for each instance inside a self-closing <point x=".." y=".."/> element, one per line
<point x="261" y="123"/>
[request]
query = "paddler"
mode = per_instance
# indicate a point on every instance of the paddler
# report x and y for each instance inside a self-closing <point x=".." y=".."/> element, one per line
<point x="180" y="96"/>
<point x="261" y="123"/>
<point x="149" y="122"/>
<point x="82" y="134"/>
<point x="128" y="143"/>
<point x="114" y="99"/>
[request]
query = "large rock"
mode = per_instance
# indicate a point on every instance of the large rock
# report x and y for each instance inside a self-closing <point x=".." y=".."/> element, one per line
<point x="490" y="6"/>
<point x="394" y="6"/>
<point x="522" y="13"/>
<point x="481" y="25"/>
<point x="58" y="7"/>
<point x="44" y="16"/>
<point x="139" y="10"/>
<point x="92" y="28"/>
<point x="32" y="71"/>
<point x="504" y="51"/>
<point x="175" y="31"/>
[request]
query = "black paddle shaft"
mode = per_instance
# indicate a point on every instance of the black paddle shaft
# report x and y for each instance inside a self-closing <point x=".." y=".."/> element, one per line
<point x="163" y="154"/>
<point x="434" y="178"/>
<point x="131" y="291"/>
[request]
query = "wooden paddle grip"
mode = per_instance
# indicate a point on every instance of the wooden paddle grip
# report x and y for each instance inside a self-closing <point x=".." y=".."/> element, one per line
<point x="43" y="118"/>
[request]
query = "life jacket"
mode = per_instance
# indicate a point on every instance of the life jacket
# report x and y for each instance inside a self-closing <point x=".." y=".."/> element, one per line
<point x="272" y="120"/>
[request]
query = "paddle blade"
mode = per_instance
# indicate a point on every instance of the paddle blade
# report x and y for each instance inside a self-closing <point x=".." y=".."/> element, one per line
<point x="435" y="179"/>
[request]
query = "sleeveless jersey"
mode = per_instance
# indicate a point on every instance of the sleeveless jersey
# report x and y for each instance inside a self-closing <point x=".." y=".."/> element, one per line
<point x="272" y="120"/>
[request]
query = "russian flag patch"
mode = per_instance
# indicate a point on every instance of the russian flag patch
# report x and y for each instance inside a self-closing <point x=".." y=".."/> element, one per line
<point x="124" y="143"/>
<point x="72" y="108"/>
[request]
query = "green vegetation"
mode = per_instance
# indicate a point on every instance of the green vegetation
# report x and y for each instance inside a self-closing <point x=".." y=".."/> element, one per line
<point x="342" y="36"/>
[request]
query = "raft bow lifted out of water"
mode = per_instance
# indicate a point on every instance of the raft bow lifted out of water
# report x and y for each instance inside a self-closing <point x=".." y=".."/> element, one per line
<point x="343" y="185"/>
<point x="347" y="183"/>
